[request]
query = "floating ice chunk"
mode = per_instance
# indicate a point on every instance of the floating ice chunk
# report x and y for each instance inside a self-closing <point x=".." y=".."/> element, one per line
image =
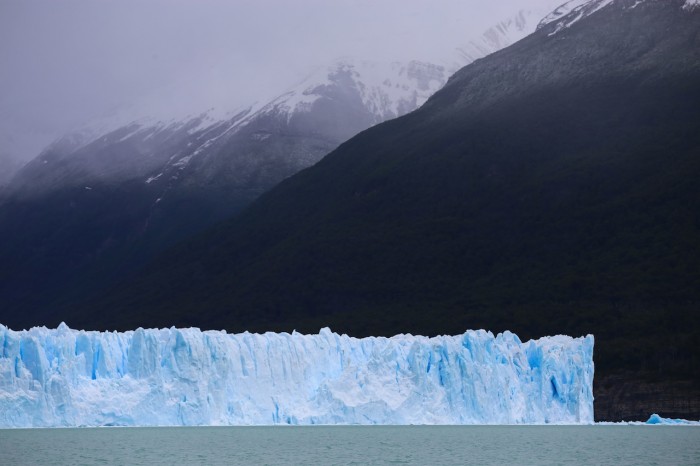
<point x="655" y="419"/>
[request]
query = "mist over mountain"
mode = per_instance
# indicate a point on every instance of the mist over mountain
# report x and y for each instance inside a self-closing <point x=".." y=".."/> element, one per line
<point x="68" y="63"/>
<point x="100" y="202"/>
<point x="548" y="188"/>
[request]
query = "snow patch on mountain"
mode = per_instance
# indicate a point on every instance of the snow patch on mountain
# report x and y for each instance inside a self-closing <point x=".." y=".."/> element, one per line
<point x="572" y="12"/>
<point x="386" y="89"/>
<point x="153" y="178"/>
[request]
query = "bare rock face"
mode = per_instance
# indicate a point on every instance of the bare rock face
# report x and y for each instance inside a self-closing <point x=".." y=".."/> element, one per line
<point x="629" y="397"/>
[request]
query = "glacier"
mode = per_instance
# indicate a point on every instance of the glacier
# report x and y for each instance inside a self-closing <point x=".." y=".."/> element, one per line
<point x="172" y="377"/>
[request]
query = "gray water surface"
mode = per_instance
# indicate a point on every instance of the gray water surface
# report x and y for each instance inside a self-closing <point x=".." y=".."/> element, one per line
<point x="420" y="445"/>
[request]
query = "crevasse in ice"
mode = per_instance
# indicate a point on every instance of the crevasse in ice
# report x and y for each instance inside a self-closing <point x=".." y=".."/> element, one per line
<point x="65" y="377"/>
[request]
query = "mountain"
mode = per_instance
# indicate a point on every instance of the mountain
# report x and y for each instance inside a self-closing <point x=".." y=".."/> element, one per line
<point x="232" y="147"/>
<point x="92" y="208"/>
<point x="548" y="188"/>
<point x="332" y="104"/>
<point x="100" y="202"/>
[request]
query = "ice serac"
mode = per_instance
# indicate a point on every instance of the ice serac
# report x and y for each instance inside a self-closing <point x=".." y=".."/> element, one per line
<point x="65" y="377"/>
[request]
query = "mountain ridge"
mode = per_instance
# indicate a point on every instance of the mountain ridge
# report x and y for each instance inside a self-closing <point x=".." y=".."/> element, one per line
<point x="387" y="90"/>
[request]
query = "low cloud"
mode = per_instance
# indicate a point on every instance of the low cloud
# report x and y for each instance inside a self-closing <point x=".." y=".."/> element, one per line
<point x="66" y="62"/>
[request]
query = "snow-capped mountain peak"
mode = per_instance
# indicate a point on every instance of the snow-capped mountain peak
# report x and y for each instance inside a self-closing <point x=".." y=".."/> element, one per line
<point x="385" y="89"/>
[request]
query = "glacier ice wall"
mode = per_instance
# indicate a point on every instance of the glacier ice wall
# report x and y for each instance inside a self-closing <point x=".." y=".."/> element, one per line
<point x="65" y="377"/>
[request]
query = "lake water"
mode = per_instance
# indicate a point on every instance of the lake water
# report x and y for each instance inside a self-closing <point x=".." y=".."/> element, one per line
<point x="420" y="445"/>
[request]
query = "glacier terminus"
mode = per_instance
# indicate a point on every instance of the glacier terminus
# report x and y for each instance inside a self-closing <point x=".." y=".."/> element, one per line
<point x="167" y="377"/>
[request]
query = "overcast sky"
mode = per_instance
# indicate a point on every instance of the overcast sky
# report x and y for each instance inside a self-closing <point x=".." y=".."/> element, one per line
<point x="65" y="62"/>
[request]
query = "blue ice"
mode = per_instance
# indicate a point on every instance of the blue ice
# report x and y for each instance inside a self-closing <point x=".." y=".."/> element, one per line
<point x="65" y="377"/>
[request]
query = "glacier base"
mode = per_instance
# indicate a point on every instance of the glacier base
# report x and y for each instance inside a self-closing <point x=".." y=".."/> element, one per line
<point x="168" y="377"/>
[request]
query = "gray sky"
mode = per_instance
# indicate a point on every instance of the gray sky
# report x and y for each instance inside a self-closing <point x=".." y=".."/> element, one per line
<point x="65" y="62"/>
